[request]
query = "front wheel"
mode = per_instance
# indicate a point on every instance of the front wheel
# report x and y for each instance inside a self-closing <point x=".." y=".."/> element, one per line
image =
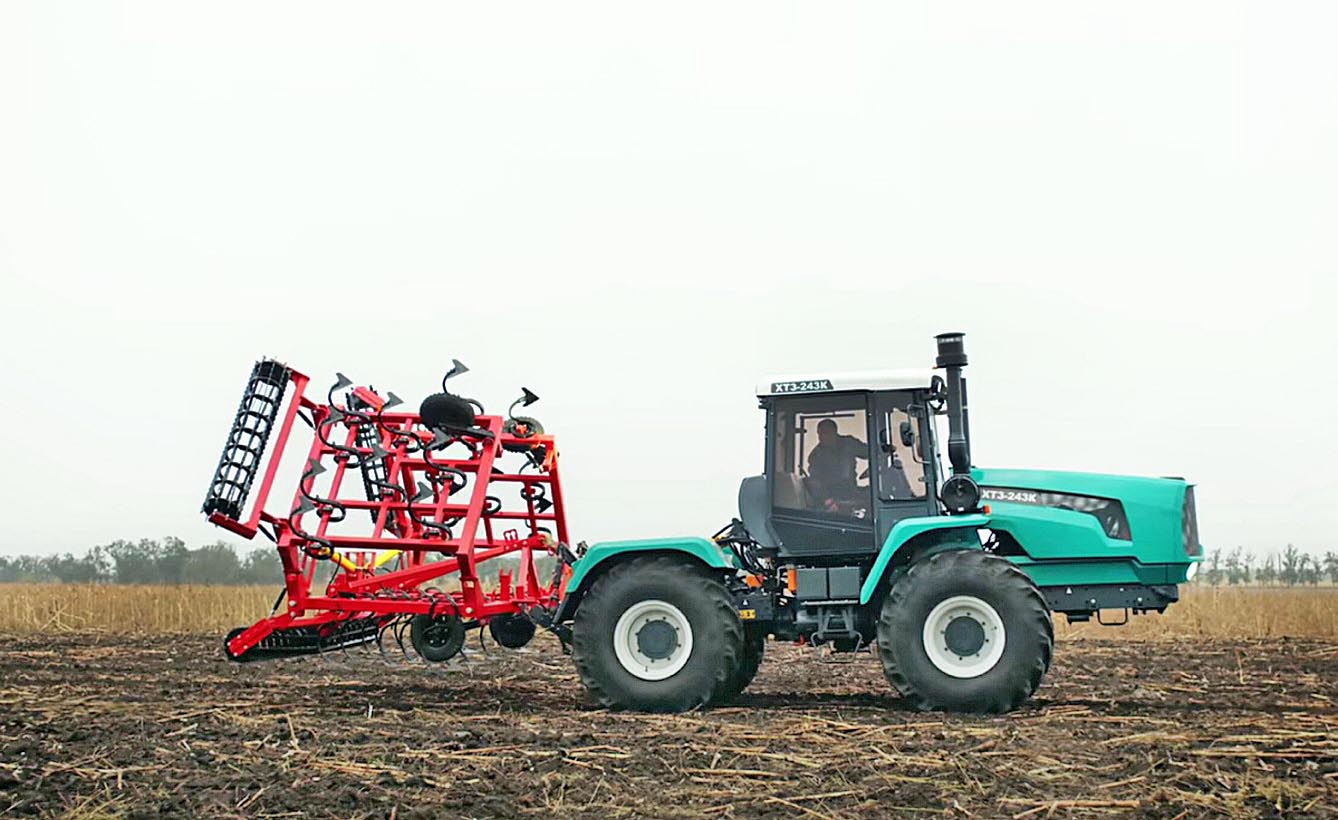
<point x="657" y="634"/>
<point x="965" y="631"/>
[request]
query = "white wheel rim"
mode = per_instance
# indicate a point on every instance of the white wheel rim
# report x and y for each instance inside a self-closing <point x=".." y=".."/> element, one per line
<point x="642" y="644"/>
<point x="957" y="626"/>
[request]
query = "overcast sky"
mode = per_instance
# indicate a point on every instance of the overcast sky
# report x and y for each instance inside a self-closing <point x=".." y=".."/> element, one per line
<point x="637" y="210"/>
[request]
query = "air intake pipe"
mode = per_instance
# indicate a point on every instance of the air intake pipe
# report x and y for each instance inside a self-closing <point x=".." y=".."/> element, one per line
<point x="952" y="357"/>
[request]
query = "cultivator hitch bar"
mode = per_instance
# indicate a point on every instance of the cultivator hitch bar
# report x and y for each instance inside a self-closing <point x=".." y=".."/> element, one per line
<point x="442" y="495"/>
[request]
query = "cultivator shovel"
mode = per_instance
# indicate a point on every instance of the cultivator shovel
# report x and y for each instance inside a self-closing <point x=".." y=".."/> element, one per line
<point x="444" y="498"/>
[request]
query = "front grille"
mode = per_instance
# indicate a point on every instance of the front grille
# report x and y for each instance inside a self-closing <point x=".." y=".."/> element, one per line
<point x="1109" y="512"/>
<point x="1189" y="525"/>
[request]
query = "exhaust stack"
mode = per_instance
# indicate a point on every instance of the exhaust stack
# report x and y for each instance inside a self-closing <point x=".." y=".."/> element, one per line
<point x="952" y="357"/>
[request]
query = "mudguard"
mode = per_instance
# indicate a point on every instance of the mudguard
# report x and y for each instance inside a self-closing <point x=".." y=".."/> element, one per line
<point x="700" y="549"/>
<point x="953" y="531"/>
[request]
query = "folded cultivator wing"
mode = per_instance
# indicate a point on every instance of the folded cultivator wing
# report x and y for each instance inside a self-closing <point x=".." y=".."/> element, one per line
<point x="396" y="552"/>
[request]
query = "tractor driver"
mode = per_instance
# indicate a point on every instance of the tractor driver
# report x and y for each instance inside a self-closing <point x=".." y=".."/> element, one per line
<point x="831" y="465"/>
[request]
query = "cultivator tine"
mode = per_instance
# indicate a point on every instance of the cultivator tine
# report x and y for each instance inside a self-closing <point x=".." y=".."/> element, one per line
<point x="400" y="630"/>
<point x="388" y="626"/>
<point x="457" y="368"/>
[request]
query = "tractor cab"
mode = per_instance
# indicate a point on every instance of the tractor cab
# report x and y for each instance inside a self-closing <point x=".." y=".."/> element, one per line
<point x="847" y="456"/>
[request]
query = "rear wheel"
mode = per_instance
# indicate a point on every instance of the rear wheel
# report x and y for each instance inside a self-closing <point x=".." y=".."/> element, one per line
<point x="657" y="634"/>
<point x="965" y="631"/>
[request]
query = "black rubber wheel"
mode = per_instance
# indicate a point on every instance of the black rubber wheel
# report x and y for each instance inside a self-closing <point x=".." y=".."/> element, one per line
<point x="437" y="639"/>
<point x="655" y="585"/>
<point x="996" y="634"/>
<point x="754" y="647"/>
<point x="511" y="631"/>
<point x="532" y="428"/>
<point x="228" y="653"/>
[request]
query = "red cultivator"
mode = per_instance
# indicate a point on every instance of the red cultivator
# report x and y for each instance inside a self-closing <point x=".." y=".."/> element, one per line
<point x="399" y="513"/>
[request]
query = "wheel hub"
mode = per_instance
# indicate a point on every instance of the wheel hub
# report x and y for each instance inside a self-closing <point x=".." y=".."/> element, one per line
<point x="657" y="640"/>
<point x="653" y="640"/>
<point x="964" y="636"/>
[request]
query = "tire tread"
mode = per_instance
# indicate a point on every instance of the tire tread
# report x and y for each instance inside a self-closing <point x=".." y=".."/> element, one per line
<point x="685" y="572"/>
<point x="1007" y="576"/>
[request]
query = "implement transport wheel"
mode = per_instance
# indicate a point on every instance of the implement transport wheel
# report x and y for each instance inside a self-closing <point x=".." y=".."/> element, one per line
<point x="511" y="631"/>
<point x="754" y="647"/>
<point x="658" y="634"/>
<point x="437" y="639"/>
<point x="965" y="631"/>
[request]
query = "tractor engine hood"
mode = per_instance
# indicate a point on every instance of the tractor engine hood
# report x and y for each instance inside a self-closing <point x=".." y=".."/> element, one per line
<point x="1154" y="517"/>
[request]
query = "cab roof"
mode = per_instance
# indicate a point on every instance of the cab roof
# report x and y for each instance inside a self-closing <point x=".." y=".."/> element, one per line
<point x="845" y="382"/>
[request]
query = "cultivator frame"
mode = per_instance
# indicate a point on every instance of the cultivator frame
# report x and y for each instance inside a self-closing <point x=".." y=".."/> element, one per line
<point x="439" y="490"/>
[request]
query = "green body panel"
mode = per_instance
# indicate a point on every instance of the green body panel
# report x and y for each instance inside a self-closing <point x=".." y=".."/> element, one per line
<point x="1066" y="547"/>
<point x="1153" y="507"/>
<point x="700" y="548"/>
<point x="960" y="529"/>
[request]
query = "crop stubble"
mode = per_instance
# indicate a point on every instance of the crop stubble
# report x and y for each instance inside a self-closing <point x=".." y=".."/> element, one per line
<point x="96" y="725"/>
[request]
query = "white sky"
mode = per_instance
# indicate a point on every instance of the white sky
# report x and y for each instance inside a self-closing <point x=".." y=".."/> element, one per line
<point x="638" y="209"/>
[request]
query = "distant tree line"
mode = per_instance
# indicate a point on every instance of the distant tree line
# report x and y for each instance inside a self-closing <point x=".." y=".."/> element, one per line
<point x="168" y="561"/>
<point x="1290" y="567"/>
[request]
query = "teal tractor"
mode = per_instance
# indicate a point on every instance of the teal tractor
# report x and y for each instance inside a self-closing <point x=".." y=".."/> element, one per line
<point x="856" y="539"/>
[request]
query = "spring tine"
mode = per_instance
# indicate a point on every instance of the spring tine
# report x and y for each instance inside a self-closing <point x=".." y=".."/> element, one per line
<point x="399" y="638"/>
<point x="380" y="640"/>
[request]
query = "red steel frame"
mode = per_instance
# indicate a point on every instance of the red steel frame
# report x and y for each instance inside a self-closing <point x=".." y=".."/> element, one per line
<point x="362" y="588"/>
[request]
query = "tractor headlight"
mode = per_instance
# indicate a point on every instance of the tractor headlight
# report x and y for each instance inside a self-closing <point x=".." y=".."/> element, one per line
<point x="960" y="494"/>
<point x="1192" y="571"/>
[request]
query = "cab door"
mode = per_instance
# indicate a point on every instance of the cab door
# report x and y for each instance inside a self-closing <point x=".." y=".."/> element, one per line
<point x="818" y="468"/>
<point x="903" y="468"/>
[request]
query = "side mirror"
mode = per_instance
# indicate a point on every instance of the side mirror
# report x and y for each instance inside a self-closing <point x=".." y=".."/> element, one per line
<point x="907" y="434"/>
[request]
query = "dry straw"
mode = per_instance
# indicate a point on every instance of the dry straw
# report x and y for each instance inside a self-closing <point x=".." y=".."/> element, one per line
<point x="1226" y="612"/>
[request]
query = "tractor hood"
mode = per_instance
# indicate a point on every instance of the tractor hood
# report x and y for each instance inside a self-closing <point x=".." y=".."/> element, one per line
<point x="1093" y="484"/>
<point x="1150" y="519"/>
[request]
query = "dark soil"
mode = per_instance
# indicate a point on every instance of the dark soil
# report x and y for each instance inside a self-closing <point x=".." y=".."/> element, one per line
<point x="101" y="725"/>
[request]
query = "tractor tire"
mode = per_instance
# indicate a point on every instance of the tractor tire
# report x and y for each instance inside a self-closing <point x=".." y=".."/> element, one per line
<point x="656" y="634"/>
<point x="750" y="658"/>
<point x="965" y="631"/>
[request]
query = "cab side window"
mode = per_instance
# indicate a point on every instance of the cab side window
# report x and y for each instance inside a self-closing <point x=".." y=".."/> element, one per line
<point x="901" y="474"/>
<point x="821" y="456"/>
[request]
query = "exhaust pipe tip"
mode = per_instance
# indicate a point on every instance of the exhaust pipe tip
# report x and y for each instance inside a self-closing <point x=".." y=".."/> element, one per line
<point x="951" y="350"/>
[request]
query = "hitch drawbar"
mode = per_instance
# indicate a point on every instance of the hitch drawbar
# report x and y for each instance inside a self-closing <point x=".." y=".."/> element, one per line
<point x="436" y="501"/>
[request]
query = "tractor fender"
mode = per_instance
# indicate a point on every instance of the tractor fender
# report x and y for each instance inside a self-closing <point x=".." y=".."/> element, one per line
<point x="599" y="557"/>
<point x="924" y="535"/>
